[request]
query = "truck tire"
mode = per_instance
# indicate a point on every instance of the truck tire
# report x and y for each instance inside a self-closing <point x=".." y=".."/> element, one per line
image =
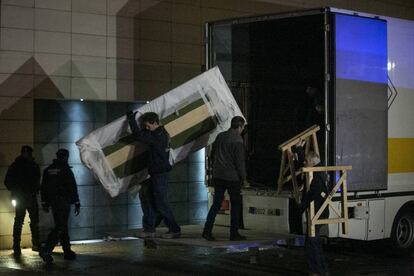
<point x="402" y="234"/>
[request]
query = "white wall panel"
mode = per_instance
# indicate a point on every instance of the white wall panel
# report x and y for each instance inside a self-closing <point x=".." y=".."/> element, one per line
<point x="89" y="45"/>
<point x="88" y="88"/>
<point x="23" y="3"/>
<point x="88" y="66"/>
<point x="16" y="40"/>
<point x="52" y="20"/>
<point x="120" y="90"/>
<point x="17" y="17"/>
<point x="120" y="69"/>
<point x="89" y="6"/>
<point x="54" y="4"/>
<point x="122" y="26"/>
<point x="52" y="42"/>
<point x="53" y="64"/>
<point x="16" y="62"/>
<point x="122" y="47"/>
<point x="88" y="23"/>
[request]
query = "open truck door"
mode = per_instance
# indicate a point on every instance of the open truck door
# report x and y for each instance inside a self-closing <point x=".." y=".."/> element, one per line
<point x="314" y="67"/>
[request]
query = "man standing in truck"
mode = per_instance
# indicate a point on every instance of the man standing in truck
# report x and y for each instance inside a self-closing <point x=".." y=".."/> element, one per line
<point x="229" y="173"/>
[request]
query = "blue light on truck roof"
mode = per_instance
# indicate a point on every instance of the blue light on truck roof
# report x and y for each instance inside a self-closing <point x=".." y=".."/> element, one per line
<point x="361" y="48"/>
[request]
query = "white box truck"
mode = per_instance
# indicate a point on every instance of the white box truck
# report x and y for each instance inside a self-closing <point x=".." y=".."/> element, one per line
<point x="348" y="72"/>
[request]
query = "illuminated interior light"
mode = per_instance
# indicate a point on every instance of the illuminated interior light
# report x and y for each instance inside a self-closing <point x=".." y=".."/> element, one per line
<point x="14" y="202"/>
<point x="81" y="100"/>
<point x="390" y="65"/>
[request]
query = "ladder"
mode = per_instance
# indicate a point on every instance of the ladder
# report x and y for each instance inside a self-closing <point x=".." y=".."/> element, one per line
<point x="288" y="173"/>
<point x="287" y="165"/>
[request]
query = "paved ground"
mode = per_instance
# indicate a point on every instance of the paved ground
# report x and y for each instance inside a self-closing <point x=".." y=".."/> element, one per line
<point x="131" y="257"/>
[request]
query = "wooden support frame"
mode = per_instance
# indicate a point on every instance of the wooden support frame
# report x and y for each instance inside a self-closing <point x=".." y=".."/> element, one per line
<point x="341" y="215"/>
<point x="287" y="167"/>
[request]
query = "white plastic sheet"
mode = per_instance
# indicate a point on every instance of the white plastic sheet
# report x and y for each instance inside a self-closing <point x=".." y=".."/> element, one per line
<point x="210" y="87"/>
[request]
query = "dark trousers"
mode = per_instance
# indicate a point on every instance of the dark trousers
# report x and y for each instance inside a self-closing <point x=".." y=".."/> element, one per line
<point x="146" y="198"/>
<point x="60" y="211"/>
<point x="156" y="204"/>
<point x="314" y="253"/>
<point x="233" y="188"/>
<point x="30" y="204"/>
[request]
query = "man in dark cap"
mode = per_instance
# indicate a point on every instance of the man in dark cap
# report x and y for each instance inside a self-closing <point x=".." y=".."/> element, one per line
<point x="23" y="179"/>
<point x="59" y="191"/>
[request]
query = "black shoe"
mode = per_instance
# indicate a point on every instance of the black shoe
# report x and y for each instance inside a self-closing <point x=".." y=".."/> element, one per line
<point x="237" y="237"/>
<point x="69" y="255"/>
<point x="208" y="236"/>
<point x="46" y="257"/>
<point x="17" y="252"/>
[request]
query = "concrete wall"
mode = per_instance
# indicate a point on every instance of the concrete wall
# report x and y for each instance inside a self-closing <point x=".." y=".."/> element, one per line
<point x="113" y="50"/>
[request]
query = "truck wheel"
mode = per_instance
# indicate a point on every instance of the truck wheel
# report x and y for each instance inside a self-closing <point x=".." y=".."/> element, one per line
<point x="403" y="231"/>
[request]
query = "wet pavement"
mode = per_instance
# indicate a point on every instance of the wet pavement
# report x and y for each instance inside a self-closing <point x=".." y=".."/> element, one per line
<point x="131" y="257"/>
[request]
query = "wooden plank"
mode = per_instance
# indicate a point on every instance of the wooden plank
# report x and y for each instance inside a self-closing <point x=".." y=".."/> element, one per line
<point x="296" y="192"/>
<point x="329" y="198"/>
<point x="301" y="136"/>
<point x="289" y="177"/>
<point x="333" y="207"/>
<point x="344" y="200"/>
<point x="330" y="221"/>
<point x="280" y="181"/>
<point x="326" y="169"/>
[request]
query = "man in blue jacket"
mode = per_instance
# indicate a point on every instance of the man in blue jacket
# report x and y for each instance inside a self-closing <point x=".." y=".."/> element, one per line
<point x="158" y="142"/>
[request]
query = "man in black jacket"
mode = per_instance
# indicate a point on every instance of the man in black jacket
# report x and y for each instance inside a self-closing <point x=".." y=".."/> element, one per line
<point x="59" y="191"/>
<point x="229" y="173"/>
<point x="317" y="193"/>
<point x="23" y="179"/>
<point x="158" y="142"/>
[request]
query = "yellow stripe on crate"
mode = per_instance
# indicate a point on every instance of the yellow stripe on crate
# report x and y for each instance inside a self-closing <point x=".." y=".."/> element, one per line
<point x="126" y="153"/>
<point x="400" y="155"/>
<point x="188" y="120"/>
<point x="173" y="128"/>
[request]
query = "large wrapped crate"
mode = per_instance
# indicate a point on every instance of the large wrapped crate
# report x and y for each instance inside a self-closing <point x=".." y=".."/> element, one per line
<point x="193" y="114"/>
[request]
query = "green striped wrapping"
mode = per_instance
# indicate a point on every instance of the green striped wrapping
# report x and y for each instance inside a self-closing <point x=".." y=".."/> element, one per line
<point x="187" y="124"/>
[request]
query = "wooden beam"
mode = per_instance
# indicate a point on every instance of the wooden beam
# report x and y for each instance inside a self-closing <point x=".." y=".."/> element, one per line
<point x="344" y="197"/>
<point x="331" y="221"/>
<point x="326" y="169"/>
<point x="301" y="136"/>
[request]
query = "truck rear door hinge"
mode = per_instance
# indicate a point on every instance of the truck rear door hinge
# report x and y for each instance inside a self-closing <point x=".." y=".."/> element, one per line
<point x="328" y="77"/>
<point x="327" y="27"/>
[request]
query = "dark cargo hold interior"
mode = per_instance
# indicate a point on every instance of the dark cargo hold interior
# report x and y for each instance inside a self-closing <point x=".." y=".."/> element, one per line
<point x="269" y="65"/>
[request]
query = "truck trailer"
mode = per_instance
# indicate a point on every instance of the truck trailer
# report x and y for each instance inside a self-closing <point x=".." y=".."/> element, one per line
<point x="347" y="72"/>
